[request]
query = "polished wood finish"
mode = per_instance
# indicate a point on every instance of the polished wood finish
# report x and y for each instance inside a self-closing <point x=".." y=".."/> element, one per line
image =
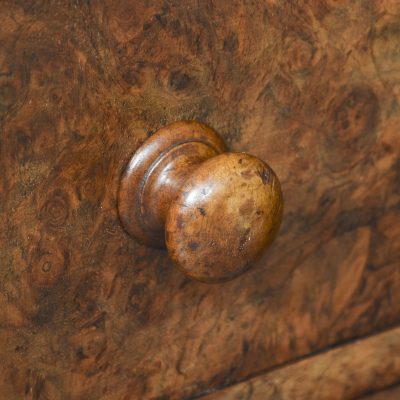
<point x="220" y="211"/>
<point x="343" y="373"/>
<point x="311" y="87"/>
<point x="157" y="171"/>
<point x="392" y="393"/>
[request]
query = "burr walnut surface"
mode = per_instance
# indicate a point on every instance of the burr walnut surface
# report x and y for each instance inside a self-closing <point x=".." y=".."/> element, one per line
<point x="311" y="87"/>
<point x="346" y="372"/>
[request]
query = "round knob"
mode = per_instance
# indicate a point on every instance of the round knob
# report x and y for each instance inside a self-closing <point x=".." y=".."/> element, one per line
<point x="214" y="211"/>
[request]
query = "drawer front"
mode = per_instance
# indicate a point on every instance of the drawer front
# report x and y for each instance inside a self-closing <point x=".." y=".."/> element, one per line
<point x="310" y="87"/>
<point x="350" y="371"/>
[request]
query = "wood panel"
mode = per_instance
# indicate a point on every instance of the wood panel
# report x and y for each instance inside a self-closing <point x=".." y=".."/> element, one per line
<point x="343" y="373"/>
<point x="392" y="393"/>
<point x="310" y="87"/>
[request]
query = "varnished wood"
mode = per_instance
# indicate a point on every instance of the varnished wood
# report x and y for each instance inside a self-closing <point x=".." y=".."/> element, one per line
<point x="344" y="373"/>
<point x="392" y="393"/>
<point x="157" y="171"/>
<point x="220" y="211"/>
<point x="311" y="87"/>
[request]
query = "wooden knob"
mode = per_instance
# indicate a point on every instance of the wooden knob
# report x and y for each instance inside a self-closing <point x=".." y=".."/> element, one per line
<point x="214" y="211"/>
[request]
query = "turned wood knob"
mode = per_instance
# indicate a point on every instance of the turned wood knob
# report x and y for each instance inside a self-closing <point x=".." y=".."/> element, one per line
<point x="214" y="211"/>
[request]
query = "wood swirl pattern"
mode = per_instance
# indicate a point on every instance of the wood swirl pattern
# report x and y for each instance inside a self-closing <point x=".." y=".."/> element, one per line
<point x="344" y="373"/>
<point x="392" y="393"/>
<point x="311" y="87"/>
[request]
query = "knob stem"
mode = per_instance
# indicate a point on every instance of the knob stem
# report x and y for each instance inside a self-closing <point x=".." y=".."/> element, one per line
<point x="166" y="177"/>
<point x="156" y="173"/>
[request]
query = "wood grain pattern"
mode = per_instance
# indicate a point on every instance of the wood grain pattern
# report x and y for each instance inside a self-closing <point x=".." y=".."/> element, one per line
<point x="343" y="373"/>
<point x="311" y="87"/>
<point x="392" y="393"/>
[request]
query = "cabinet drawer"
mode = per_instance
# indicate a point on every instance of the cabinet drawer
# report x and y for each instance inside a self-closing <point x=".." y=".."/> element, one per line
<point x="312" y="88"/>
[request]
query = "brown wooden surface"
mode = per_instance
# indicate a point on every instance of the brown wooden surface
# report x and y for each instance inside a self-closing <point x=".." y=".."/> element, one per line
<point x="312" y="88"/>
<point x="347" y="372"/>
<point x="392" y="393"/>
